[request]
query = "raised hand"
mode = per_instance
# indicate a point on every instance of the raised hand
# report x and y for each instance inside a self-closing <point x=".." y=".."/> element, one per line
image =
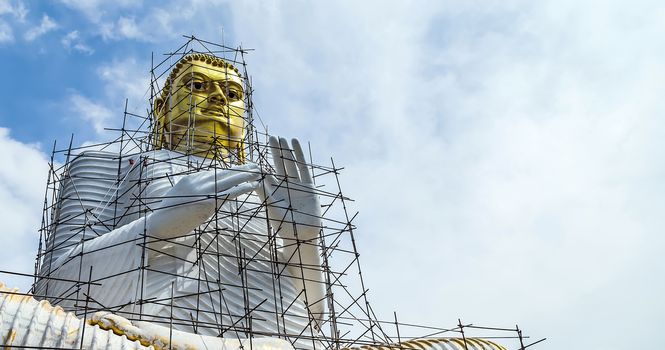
<point x="295" y="214"/>
<point x="192" y="200"/>
<point x="293" y="205"/>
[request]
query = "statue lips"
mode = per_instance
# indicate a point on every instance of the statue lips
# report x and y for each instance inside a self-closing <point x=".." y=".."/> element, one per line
<point x="217" y="113"/>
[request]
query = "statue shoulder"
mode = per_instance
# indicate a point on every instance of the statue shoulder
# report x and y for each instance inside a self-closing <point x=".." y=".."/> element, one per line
<point x="112" y="163"/>
<point x="98" y="161"/>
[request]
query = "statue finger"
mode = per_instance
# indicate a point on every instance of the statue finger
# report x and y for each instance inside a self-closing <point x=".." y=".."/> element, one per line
<point x="204" y="181"/>
<point x="245" y="167"/>
<point x="277" y="156"/>
<point x="289" y="161"/>
<point x="233" y="180"/>
<point x="238" y="190"/>
<point x="305" y="174"/>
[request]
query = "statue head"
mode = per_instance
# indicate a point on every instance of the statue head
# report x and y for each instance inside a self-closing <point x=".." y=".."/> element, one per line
<point x="200" y="109"/>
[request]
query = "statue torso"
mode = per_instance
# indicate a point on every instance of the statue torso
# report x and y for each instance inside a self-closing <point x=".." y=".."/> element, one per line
<point x="224" y="278"/>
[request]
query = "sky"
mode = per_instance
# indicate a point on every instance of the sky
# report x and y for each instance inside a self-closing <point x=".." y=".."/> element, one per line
<point x="505" y="156"/>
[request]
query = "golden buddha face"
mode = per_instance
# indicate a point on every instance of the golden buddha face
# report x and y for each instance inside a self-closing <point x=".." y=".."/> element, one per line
<point x="203" y="111"/>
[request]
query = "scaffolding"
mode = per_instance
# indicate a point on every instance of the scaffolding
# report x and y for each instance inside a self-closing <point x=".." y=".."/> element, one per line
<point x="229" y="277"/>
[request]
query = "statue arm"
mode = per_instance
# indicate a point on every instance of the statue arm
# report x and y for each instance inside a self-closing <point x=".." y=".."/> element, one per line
<point x="295" y="215"/>
<point x="113" y="256"/>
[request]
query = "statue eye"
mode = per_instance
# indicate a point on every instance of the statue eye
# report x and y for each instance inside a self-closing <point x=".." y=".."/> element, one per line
<point x="198" y="86"/>
<point x="232" y="92"/>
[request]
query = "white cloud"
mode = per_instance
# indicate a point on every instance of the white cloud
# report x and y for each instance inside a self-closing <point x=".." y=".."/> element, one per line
<point x="45" y="26"/>
<point x="73" y="41"/>
<point x="170" y="20"/>
<point x="18" y="11"/>
<point x="94" y="10"/>
<point x="108" y="18"/>
<point x="127" y="28"/>
<point x="121" y="80"/>
<point x="95" y="113"/>
<point x="128" y="78"/>
<point x="6" y="33"/>
<point x="5" y="7"/>
<point x="22" y="186"/>
<point x="122" y="28"/>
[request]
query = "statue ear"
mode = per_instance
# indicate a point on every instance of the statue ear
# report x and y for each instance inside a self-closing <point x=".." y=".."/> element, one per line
<point x="158" y="128"/>
<point x="157" y="106"/>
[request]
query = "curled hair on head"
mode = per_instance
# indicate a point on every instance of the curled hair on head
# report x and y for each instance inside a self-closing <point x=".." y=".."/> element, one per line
<point x="201" y="57"/>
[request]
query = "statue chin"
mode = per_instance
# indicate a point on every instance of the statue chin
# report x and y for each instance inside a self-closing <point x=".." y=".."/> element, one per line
<point x="207" y="143"/>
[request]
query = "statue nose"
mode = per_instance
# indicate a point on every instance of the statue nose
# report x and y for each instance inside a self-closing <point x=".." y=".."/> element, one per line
<point x="217" y="95"/>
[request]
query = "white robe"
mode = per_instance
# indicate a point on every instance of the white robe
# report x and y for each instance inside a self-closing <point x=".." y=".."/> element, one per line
<point x="194" y="283"/>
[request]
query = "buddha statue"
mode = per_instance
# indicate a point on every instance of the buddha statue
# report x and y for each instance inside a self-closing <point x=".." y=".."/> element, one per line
<point x="191" y="213"/>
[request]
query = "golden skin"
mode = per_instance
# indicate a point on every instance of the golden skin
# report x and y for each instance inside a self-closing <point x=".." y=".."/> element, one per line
<point x="204" y="112"/>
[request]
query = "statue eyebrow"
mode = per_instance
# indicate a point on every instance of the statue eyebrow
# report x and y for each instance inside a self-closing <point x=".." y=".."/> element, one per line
<point x="187" y="80"/>
<point x="192" y="75"/>
<point x="233" y="83"/>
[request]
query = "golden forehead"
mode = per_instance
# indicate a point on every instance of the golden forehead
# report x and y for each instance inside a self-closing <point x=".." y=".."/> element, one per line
<point x="210" y="72"/>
